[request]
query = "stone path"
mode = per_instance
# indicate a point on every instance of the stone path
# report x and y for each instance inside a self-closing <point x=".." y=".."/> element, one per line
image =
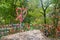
<point x="29" y="35"/>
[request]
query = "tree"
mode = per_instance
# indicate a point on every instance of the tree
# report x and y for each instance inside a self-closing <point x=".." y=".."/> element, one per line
<point x="44" y="8"/>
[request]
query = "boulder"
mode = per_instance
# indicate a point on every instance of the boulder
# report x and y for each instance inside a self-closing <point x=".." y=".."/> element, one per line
<point x="28" y="35"/>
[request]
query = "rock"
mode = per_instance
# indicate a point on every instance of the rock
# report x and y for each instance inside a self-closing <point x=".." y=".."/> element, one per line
<point x="29" y="35"/>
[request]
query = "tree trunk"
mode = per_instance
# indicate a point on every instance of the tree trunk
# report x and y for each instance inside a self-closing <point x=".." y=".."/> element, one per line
<point x="44" y="16"/>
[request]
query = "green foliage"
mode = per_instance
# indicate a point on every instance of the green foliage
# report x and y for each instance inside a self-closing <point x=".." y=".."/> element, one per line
<point x="8" y="12"/>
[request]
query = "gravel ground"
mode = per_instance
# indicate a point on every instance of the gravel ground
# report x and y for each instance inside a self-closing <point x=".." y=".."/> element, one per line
<point x="29" y="35"/>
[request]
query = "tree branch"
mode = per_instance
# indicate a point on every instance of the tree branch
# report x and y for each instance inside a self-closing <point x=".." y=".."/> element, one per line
<point x="42" y="4"/>
<point x="46" y="7"/>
